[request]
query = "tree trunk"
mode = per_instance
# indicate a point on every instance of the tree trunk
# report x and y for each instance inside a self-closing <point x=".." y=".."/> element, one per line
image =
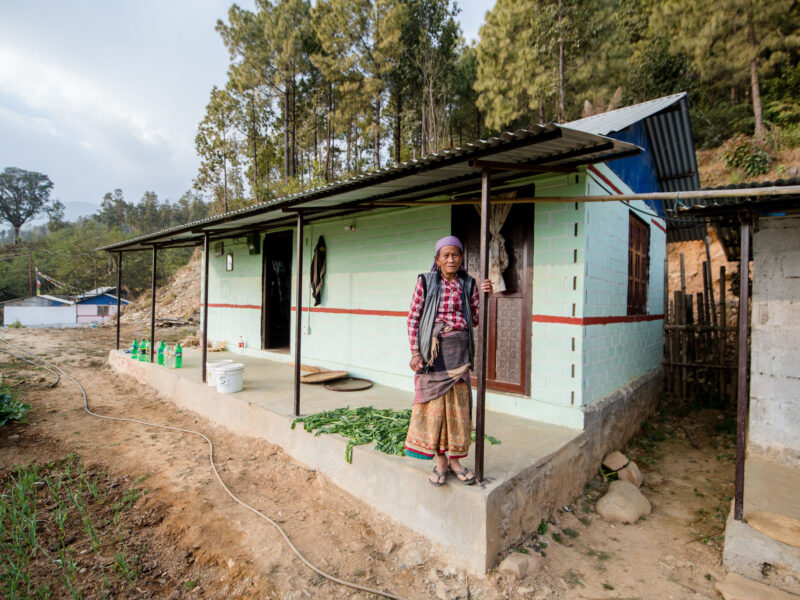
<point x="423" y="142"/>
<point x="397" y="130"/>
<point x="755" y="83"/>
<point x="294" y="128"/>
<point x="561" y="91"/>
<point x="328" y="133"/>
<point x="255" y="145"/>
<point x="377" y="124"/>
<point x="286" y="160"/>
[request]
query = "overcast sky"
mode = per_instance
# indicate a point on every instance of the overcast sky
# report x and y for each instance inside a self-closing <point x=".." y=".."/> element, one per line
<point x="107" y="94"/>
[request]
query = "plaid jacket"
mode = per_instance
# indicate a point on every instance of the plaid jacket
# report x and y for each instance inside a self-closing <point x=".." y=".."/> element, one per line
<point x="450" y="309"/>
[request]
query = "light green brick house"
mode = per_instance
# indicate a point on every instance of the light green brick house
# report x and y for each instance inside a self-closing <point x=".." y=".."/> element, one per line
<point x="579" y="321"/>
<point x="574" y="341"/>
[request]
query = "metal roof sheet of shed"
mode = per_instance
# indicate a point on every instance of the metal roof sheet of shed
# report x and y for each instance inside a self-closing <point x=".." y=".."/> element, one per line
<point x="436" y="174"/>
<point x="669" y="130"/>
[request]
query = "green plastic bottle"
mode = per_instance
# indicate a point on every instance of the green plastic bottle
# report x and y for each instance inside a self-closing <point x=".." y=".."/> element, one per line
<point x="135" y="349"/>
<point x="144" y="350"/>
<point x="161" y="347"/>
<point x="178" y="356"/>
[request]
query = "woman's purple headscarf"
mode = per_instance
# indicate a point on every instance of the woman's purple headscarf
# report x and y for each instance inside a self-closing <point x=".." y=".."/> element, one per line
<point x="450" y="240"/>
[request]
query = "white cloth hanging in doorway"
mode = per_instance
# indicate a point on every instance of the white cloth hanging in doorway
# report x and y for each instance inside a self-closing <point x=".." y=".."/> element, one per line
<point x="498" y="257"/>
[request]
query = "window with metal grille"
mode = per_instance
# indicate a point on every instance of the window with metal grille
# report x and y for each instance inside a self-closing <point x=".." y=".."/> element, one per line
<point x="102" y="310"/>
<point x="638" y="265"/>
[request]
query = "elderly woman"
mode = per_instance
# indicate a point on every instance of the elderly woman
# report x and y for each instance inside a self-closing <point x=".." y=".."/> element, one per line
<point x="444" y="309"/>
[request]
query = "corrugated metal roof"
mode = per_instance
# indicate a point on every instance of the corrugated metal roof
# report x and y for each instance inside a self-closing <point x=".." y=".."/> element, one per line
<point x="441" y="173"/>
<point x="616" y="120"/>
<point x="669" y="131"/>
<point x="724" y="213"/>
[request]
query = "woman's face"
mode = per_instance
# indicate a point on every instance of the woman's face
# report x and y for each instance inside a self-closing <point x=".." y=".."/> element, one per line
<point x="449" y="260"/>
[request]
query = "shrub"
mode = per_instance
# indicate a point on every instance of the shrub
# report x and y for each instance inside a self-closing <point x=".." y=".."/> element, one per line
<point x="746" y="153"/>
<point x="11" y="409"/>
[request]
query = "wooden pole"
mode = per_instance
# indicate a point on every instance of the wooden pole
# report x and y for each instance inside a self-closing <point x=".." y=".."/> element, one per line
<point x="723" y="337"/>
<point x="205" y="303"/>
<point x="729" y="193"/>
<point x="742" y="393"/>
<point x="684" y="339"/>
<point x="119" y="292"/>
<point x="153" y="307"/>
<point x="299" y="314"/>
<point x="484" y="313"/>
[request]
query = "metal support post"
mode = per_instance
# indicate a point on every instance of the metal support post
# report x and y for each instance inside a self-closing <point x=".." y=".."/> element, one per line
<point x="484" y="313"/>
<point x="205" y="303"/>
<point x="743" y="394"/>
<point x="119" y="293"/>
<point x="298" y="330"/>
<point x="153" y="308"/>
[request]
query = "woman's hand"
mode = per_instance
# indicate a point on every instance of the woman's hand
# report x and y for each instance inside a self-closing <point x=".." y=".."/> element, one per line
<point x="486" y="286"/>
<point x="416" y="363"/>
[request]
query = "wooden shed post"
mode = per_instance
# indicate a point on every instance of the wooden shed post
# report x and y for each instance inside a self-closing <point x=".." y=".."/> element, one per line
<point x="299" y="315"/>
<point x="480" y="409"/>
<point x="119" y="292"/>
<point x="153" y="307"/>
<point x="743" y="395"/>
<point x="205" y="303"/>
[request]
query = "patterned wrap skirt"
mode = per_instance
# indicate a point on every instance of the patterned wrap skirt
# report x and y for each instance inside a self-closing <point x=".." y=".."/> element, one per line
<point x="442" y="425"/>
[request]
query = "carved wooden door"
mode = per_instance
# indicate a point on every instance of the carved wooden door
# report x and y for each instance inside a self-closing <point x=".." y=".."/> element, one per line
<point x="509" y="312"/>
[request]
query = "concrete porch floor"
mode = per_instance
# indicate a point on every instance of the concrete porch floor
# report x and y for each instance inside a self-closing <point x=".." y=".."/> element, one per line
<point x="527" y="475"/>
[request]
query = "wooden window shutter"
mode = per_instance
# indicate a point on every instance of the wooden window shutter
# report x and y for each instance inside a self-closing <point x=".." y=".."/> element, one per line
<point x="638" y="265"/>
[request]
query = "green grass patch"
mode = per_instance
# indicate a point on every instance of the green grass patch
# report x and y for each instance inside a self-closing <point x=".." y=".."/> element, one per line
<point x="57" y="534"/>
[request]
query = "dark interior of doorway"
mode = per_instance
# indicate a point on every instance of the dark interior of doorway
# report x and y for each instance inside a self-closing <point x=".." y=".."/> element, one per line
<point x="277" y="288"/>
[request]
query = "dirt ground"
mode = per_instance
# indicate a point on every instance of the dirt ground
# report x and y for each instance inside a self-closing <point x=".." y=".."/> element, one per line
<point x="203" y="545"/>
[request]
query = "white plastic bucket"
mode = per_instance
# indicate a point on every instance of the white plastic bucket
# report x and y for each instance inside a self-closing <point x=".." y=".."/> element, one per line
<point x="229" y="378"/>
<point x="210" y="366"/>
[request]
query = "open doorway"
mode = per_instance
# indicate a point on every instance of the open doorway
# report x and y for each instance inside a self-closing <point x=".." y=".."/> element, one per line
<point x="508" y="366"/>
<point x="276" y="280"/>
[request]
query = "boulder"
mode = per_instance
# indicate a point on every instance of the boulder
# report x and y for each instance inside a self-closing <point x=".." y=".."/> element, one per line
<point x="520" y="564"/>
<point x="623" y="502"/>
<point x="631" y="473"/>
<point x="615" y="461"/>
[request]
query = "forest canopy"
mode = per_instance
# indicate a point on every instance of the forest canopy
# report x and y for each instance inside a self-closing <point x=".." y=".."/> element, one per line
<point x="319" y="91"/>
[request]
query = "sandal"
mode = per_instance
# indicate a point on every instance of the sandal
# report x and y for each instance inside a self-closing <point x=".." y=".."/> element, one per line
<point x="441" y="478"/>
<point x="468" y="476"/>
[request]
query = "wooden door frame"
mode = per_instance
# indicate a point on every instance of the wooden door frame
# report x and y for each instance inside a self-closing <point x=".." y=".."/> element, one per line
<point x="527" y="311"/>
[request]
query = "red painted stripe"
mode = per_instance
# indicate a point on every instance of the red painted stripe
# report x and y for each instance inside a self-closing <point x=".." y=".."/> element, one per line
<point x="356" y="311"/>
<point x="659" y="225"/>
<point x="400" y="313"/>
<point x="594" y="320"/>
<point x="604" y="179"/>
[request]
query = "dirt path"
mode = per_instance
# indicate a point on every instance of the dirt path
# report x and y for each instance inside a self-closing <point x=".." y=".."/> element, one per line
<point x="226" y="552"/>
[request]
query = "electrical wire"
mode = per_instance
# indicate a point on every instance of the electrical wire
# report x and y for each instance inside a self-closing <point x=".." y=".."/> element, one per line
<point x="213" y="467"/>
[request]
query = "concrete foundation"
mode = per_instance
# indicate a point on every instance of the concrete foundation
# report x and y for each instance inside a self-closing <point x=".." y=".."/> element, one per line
<point x="773" y="487"/>
<point x="536" y="468"/>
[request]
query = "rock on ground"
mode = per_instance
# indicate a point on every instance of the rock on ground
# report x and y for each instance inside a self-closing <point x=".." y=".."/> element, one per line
<point x="520" y="564"/>
<point x="623" y="502"/>
<point x="615" y="461"/>
<point x="632" y="474"/>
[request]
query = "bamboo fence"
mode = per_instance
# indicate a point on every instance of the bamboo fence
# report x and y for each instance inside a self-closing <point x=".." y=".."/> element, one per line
<point x="700" y="346"/>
